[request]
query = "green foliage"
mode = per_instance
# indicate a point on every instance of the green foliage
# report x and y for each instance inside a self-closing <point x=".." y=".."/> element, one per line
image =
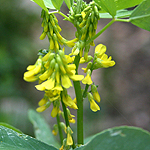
<point x="41" y="129"/>
<point x="69" y="3"/>
<point x="107" y="5"/>
<point x="41" y="4"/>
<point x="12" y="140"/>
<point x="119" y="14"/>
<point x="119" y="138"/>
<point x="111" y="6"/>
<point x="122" y="4"/>
<point x="10" y="127"/>
<point x="141" y="15"/>
<point x="57" y="4"/>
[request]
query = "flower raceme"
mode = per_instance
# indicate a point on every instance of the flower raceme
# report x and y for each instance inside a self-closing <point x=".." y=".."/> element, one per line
<point x="54" y="74"/>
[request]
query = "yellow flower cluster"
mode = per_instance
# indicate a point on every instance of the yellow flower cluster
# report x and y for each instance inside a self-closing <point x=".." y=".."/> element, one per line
<point x="54" y="74"/>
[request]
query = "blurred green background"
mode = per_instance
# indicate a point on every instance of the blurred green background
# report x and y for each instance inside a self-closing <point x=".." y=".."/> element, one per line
<point x="124" y="89"/>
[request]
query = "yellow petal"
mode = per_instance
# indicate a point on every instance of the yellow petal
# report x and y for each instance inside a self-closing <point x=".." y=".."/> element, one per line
<point x="71" y="66"/>
<point x="72" y="120"/>
<point x="54" y="112"/>
<point x="101" y="49"/>
<point x="30" y="79"/>
<point x="46" y="74"/>
<point x="82" y="60"/>
<point x="66" y="83"/>
<point x="76" y="77"/>
<point x="94" y="107"/>
<point x="42" y="102"/>
<point x="96" y="96"/>
<point x="29" y="74"/>
<point x="49" y="84"/>
<point x="87" y="80"/>
<point x="58" y="87"/>
<point x="41" y="108"/>
<point x="31" y="67"/>
<point x="40" y="87"/>
<point x="69" y="139"/>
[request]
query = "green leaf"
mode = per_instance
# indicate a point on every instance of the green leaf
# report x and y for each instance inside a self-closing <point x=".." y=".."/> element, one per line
<point x="69" y="3"/>
<point x="123" y="13"/>
<point x="41" y="4"/>
<point x="10" y="127"/>
<point x="108" y="5"/>
<point x="57" y="3"/>
<point x="41" y="129"/>
<point x="119" y="14"/>
<point x="11" y="140"/>
<point x="48" y="4"/>
<point x="141" y="15"/>
<point x="119" y="138"/>
<point x="122" y="4"/>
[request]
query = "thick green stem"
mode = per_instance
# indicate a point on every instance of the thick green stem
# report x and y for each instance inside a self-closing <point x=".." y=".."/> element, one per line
<point x="59" y="129"/>
<point x="79" y="98"/>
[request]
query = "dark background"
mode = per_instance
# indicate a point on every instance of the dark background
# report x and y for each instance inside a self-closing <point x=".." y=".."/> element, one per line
<point x="124" y="88"/>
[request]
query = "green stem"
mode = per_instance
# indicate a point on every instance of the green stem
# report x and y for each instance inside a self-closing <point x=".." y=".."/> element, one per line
<point x="123" y="20"/>
<point x="100" y="32"/>
<point x="66" y="118"/>
<point x="85" y="91"/>
<point x="59" y="129"/>
<point x="65" y="113"/>
<point x="66" y="18"/>
<point x="79" y="98"/>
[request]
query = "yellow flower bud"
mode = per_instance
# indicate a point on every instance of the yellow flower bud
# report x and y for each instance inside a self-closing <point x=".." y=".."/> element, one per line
<point x="43" y="35"/>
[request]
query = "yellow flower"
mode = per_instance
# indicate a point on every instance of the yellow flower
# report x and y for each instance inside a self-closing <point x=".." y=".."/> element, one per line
<point x="69" y="58"/>
<point x="100" y="49"/>
<point x="96" y="96"/>
<point x="95" y="93"/>
<point x="71" y="43"/>
<point x="66" y="83"/>
<point x="33" y="70"/>
<point x="69" y="102"/>
<point x="41" y="108"/>
<point x="69" y="139"/>
<point x="30" y="79"/>
<point x="94" y="107"/>
<point x="87" y="80"/>
<point x="55" y="111"/>
<point x="43" y="101"/>
<point x="48" y="84"/>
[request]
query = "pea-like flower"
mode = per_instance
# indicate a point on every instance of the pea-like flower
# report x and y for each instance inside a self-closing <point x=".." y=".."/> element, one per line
<point x="93" y="106"/>
<point x="102" y="59"/>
